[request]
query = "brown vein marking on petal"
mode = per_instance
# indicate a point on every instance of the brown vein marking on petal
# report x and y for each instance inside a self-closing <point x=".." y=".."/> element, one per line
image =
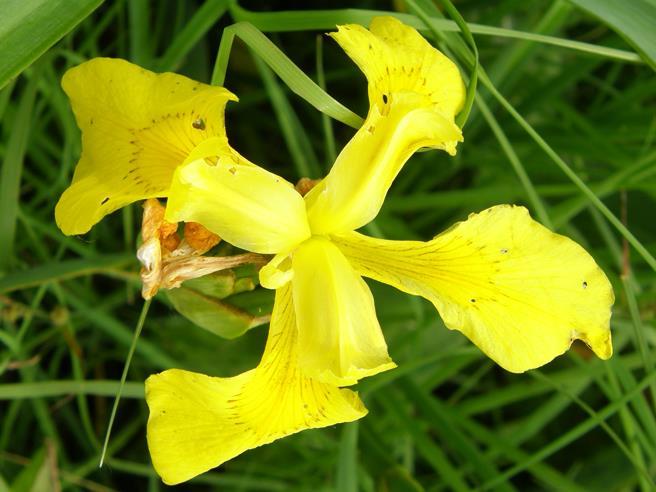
<point x="200" y="238"/>
<point x="304" y="185"/>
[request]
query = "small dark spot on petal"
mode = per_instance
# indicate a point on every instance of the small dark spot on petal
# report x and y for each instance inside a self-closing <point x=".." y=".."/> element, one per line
<point x="198" y="124"/>
<point x="105" y="200"/>
<point x="504" y="251"/>
<point x="472" y="300"/>
<point x="585" y="284"/>
<point x="384" y="98"/>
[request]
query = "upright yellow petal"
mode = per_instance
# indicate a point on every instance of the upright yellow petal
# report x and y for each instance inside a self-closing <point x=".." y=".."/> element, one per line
<point x="395" y="58"/>
<point x="137" y="126"/>
<point x="245" y="205"/>
<point x="520" y="292"/>
<point x="198" y="422"/>
<point x="414" y="94"/>
<point x="339" y="336"/>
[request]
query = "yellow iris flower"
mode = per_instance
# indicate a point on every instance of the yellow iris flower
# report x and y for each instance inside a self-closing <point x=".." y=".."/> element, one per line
<point x="517" y="290"/>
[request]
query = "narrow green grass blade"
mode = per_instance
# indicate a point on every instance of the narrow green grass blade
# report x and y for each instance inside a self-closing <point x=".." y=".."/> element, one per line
<point x="225" y="480"/>
<point x="29" y="27"/>
<point x="326" y="124"/>
<point x="571" y="174"/>
<point x="611" y="433"/>
<point x="552" y="154"/>
<point x="49" y="389"/>
<point x="631" y="427"/>
<point x="541" y="471"/>
<point x="571" y="435"/>
<point x="63" y="270"/>
<point x="303" y="155"/>
<point x="441" y="420"/>
<point x="291" y="75"/>
<point x="520" y="170"/>
<point x="639" y="331"/>
<point x="12" y="168"/>
<point x="124" y="375"/>
<point x="634" y="20"/>
<point x="431" y="452"/>
<point x="473" y="74"/>
<point x="122" y="334"/>
<point x="303" y="20"/>
<point x="347" y="459"/>
<point x="139" y="21"/>
<point x="195" y="29"/>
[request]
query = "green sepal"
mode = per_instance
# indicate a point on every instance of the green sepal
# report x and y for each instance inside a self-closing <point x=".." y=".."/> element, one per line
<point x="207" y="302"/>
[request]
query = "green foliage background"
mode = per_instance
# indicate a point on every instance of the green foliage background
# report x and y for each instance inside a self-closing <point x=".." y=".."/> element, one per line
<point x="563" y="121"/>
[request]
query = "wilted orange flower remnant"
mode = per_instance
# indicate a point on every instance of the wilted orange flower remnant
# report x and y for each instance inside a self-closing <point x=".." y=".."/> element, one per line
<point x="517" y="290"/>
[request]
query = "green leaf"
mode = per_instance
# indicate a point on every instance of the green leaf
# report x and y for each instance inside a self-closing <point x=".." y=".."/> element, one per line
<point x="218" y="284"/>
<point x="635" y="21"/>
<point x="205" y="308"/>
<point x="29" y="27"/>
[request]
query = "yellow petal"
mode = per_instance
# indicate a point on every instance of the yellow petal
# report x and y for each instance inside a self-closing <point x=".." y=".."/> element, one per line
<point x="414" y="94"/>
<point x="354" y="190"/>
<point x="517" y="290"/>
<point x="245" y="205"/>
<point x="339" y="336"/>
<point x="137" y="126"/>
<point x="395" y="58"/>
<point x="198" y="422"/>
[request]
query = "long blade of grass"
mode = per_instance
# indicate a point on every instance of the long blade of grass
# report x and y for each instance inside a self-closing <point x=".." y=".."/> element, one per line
<point x="468" y="57"/>
<point x="124" y="375"/>
<point x="29" y="28"/>
<point x="635" y="21"/>
<point x="520" y="170"/>
<point x="203" y="19"/>
<point x="291" y="75"/>
<point x="12" y="168"/>
<point x="63" y="270"/>
<point x="571" y="435"/>
<point x="571" y="174"/>
<point x="473" y="74"/>
<point x="347" y="460"/>
<point x="49" y="389"/>
<point x="303" y="20"/>
<point x="298" y="143"/>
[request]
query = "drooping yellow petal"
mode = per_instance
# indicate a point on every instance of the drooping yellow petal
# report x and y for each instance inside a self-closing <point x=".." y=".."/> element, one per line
<point x="520" y="292"/>
<point x="340" y="339"/>
<point x="414" y="94"/>
<point x="245" y="205"/>
<point x="137" y="126"/>
<point x="198" y="422"/>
